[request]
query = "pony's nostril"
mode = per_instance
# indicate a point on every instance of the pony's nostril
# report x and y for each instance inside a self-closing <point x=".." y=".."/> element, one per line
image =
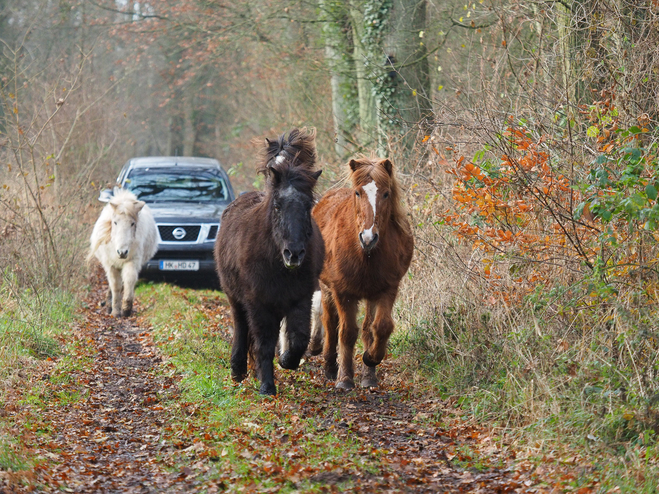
<point x="287" y="254"/>
<point x="301" y="254"/>
<point x="375" y="239"/>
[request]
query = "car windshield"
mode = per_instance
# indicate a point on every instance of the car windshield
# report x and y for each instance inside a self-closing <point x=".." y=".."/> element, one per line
<point x="177" y="184"/>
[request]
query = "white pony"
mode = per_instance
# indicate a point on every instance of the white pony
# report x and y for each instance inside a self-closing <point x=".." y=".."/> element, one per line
<point x="124" y="238"/>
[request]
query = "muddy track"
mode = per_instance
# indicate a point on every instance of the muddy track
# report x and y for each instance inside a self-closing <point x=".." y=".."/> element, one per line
<point x="109" y="441"/>
<point x="113" y="439"/>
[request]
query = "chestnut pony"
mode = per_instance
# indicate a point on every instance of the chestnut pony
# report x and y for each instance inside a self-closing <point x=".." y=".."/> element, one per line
<point x="369" y="246"/>
<point x="269" y="253"/>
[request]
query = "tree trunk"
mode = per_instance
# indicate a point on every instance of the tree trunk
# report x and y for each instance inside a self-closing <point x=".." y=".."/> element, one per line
<point x="189" y="130"/>
<point x="407" y="51"/>
<point x="337" y="45"/>
<point x="367" y="110"/>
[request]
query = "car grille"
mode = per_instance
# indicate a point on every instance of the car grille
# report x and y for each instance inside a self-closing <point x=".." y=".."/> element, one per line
<point x="167" y="233"/>
<point x="212" y="233"/>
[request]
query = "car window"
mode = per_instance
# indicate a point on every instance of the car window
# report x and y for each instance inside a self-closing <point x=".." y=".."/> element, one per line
<point x="179" y="184"/>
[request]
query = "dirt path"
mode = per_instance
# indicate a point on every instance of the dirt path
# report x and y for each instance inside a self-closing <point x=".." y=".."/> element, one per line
<point x="108" y="426"/>
<point x="110" y="440"/>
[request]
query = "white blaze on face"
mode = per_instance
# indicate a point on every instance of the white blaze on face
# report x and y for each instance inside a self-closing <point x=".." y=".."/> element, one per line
<point x="279" y="160"/>
<point x="372" y="193"/>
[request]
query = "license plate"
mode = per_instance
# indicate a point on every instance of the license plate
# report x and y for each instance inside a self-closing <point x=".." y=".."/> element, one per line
<point x="179" y="265"/>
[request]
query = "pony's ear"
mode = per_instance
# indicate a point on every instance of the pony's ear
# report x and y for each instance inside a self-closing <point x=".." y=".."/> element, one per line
<point x="113" y="204"/>
<point x="388" y="166"/>
<point x="139" y="205"/>
<point x="267" y="142"/>
<point x="275" y="175"/>
<point x="315" y="175"/>
<point x="354" y="164"/>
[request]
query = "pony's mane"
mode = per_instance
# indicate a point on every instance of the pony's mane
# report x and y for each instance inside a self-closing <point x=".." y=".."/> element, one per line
<point x="298" y="146"/>
<point x="294" y="157"/>
<point x="373" y="169"/>
<point x="124" y="202"/>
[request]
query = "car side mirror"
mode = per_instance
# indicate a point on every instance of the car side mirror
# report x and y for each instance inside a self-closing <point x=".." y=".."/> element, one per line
<point x="105" y="195"/>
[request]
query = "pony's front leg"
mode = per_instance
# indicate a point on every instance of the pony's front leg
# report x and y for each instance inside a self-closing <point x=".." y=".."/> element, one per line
<point x="348" y="330"/>
<point x="264" y="327"/>
<point x="381" y="329"/>
<point x="129" y="278"/>
<point x="298" y="327"/>
<point x="114" y="280"/>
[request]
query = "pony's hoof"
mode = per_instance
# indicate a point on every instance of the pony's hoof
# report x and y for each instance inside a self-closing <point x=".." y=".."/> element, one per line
<point x="109" y="309"/>
<point x="127" y="313"/>
<point x="369" y="378"/>
<point x="268" y="389"/>
<point x="315" y="350"/>
<point x="238" y="376"/>
<point x="369" y="382"/>
<point x="345" y="384"/>
<point x="330" y="374"/>
<point x="287" y="361"/>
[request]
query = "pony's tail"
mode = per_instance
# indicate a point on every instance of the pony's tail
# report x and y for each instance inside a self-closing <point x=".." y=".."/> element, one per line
<point x="101" y="235"/>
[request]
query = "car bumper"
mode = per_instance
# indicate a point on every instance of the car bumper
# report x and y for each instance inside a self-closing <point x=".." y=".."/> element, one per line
<point x="203" y="253"/>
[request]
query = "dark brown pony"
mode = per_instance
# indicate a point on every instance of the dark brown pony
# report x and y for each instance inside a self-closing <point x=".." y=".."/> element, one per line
<point x="269" y="253"/>
<point x="369" y="245"/>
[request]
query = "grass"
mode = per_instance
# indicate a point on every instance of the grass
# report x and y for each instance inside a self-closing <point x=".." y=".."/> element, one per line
<point x="10" y="459"/>
<point x="33" y="329"/>
<point x="255" y="439"/>
<point x="30" y="322"/>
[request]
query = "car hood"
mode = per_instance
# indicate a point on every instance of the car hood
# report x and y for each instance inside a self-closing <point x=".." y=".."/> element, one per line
<point x="187" y="211"/>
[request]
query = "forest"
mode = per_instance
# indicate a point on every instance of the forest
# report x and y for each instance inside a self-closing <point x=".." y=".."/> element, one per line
<point x="525" y="138"/>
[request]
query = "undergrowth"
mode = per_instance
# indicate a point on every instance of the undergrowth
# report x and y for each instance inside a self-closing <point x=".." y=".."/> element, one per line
<point x="30" y="321"/>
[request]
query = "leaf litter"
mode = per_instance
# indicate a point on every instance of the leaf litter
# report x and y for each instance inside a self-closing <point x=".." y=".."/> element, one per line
<point x="115" y="418"/>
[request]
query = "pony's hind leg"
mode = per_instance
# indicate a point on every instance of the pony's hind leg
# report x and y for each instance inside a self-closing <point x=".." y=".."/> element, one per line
<point x="129" y="278"/>
<point x="348" y="331"/>
<point x="316" y="342"/>
<point x="297" y="335"/>
<point x="283" y="344"/>
<point x="114" y="280"/>
<point x="369" y="378"/>
<point x="331" y="322"/>
<point x="240" y="346"/>
<point x="107" y="303"/>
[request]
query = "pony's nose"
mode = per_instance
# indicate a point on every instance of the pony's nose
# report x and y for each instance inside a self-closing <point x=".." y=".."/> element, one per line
<point x="123" y="254"/>
<point x="293" y="258"/>
<point x="368" y="240"/>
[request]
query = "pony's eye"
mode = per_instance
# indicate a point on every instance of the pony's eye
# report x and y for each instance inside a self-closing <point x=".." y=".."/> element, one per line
<point x="115" y="222"/>
<point x="385" y="195"/>
<point x="357" y="193"/>
<point x="132" y="224"/>
<point x="277" y="208"/>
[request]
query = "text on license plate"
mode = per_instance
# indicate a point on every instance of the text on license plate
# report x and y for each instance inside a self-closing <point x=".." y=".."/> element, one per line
<point x="179" y="265"/>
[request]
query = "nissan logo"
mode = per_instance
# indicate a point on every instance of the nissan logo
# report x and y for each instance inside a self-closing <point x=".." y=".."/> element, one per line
<point x="179" y="233"/>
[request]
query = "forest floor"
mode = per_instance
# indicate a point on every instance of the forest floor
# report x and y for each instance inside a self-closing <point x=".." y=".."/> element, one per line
<point x="146" y="404"/>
